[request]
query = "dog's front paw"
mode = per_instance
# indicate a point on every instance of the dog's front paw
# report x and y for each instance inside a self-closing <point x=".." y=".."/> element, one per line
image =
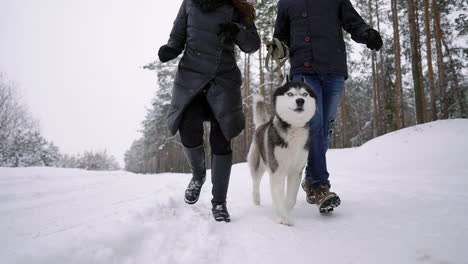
<point x="256" y="198"/>
<point x="257" y="202"/>
<point x="285" y="221"/>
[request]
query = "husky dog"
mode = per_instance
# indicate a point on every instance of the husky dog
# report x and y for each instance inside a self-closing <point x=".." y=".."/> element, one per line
<point x="280" y="144"/>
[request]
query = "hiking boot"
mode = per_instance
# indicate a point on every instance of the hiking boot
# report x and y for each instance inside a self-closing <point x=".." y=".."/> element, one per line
<point x="220" y="212"/>
<point x="192" y="193"/>
<point x="196" y="160"/>
<point x="310" y="195"/>
<point x="326" y="200"/>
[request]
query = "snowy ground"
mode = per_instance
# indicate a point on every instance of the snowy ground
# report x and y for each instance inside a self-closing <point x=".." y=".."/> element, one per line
<point x="404" y="201"/>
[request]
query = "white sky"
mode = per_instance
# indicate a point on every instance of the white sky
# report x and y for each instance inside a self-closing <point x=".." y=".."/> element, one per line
<point x="78" y="66"/>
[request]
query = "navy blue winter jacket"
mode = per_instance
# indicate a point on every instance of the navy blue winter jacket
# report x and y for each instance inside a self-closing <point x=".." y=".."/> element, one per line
<point x="312" y="29"/>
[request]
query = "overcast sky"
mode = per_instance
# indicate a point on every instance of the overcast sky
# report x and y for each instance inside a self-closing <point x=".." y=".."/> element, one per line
<point x="78" y="63"/>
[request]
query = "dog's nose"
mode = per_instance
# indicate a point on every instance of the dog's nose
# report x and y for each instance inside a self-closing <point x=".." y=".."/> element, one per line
<point x="300" y="102"/>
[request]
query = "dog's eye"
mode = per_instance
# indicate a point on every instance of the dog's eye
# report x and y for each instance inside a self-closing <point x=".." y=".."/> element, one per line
<point x="290" y="94"/>
<point x="305" y="94"/>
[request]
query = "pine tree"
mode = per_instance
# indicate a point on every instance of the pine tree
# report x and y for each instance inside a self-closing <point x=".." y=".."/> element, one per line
<point x="398" y="75"/>
<point x="416" y="62"/>
<point x="135" y="156"/>
<point x="21" y="143"/>
<point x="440" y="60"/>
<point x="427" y="27"/>
<point x="454" y="28"/>
<point x="265" y="22"/>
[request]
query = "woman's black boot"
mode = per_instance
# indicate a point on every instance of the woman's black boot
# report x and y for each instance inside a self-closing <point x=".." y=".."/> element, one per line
<point x="220" y="174"/>
<point x="220" y="212"/>
<point x="196" y="160"/>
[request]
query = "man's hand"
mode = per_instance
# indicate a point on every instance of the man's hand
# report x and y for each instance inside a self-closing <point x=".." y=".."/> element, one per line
<point x="167" y="53"/>
<point x="373" y="38"/>
<point x="278" y="51"/>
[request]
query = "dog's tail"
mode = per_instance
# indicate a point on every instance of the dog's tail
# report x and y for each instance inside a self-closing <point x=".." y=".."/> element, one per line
<point x="260" y="115"/>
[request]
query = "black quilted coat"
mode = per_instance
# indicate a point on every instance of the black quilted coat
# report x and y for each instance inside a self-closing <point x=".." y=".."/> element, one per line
<point x="209" y="58"/>
<point x="313" y="30"/>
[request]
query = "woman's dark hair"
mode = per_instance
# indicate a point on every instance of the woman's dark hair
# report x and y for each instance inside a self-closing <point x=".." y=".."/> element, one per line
<point x="245" y="8"/>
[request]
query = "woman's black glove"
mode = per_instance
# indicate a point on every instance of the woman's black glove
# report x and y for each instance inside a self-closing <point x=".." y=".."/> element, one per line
<point x="229" y="29"/>
<point x="167" y="53"/>
<point x="373" y="38"/>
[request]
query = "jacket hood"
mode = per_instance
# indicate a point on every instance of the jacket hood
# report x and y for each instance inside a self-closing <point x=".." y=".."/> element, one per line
<point x="209" y="5"/>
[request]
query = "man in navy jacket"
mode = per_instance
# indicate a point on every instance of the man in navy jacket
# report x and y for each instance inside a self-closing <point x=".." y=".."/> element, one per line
<point x="312" y="29"/>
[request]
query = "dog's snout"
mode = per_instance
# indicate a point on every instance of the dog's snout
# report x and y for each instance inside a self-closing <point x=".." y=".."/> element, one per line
<point x="300" y="102"/>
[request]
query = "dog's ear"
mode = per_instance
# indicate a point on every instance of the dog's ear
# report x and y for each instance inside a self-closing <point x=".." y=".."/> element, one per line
<point x="303" y="79"/>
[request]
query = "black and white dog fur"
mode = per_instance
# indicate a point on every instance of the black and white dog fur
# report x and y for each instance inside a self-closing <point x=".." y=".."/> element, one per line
<point x="281" y="143"/>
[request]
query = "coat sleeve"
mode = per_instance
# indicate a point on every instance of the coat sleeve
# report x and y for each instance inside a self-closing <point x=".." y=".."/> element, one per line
<point x="178" y="34"/>
<point x="247" y="39"/>
<point x="282" y="24"/>
<point x="352" y="22"/>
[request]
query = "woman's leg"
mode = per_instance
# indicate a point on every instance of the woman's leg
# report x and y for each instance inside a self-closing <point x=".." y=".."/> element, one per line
<point x="219" y="144"/>
<point x="221" y="162"/>
<point x="191" y="134"/>
<point x="191" y="125"/>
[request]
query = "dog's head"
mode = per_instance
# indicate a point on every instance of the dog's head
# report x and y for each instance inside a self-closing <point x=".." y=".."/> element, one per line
<point x="295" y="102"/>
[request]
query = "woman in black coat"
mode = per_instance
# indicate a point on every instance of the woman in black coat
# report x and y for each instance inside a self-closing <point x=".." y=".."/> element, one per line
<point x="207" y="87"/>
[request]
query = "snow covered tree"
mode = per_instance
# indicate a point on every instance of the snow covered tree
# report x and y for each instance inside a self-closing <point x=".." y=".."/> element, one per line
<point x="69" y="161"/>
<point x="157" y="150"/>
<point x="21" y="143"/>
<point x="100" y="161"/>
<point x="135" y="157"/>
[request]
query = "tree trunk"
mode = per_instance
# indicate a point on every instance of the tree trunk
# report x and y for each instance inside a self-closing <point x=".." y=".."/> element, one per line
<point x="381" y="80"/>
<point x="418" y="34"/>
<point x="398" y="79"/>
<point x="459" y="93"/>
<point x="261" y="71"/>
<point x="440" y="61"/>
<point x="416" y="63"/>
<point x="247" y="99"/>
<point x="374" y="82"/>
<point x="427" y="23"/>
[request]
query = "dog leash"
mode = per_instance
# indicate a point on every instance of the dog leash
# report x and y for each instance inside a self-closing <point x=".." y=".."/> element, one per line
<point x="279" y="53"/>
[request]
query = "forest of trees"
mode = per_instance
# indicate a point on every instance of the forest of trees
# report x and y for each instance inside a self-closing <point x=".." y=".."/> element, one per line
<point x="418" y="76"/>
<point x="22" y="145"/>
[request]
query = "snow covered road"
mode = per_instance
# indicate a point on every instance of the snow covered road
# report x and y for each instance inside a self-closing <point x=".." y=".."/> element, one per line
<point x="404" y="196"/>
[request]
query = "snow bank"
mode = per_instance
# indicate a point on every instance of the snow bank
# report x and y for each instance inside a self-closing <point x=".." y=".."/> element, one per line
<point x="404" y="201"/>
<point x="443" y="142"/>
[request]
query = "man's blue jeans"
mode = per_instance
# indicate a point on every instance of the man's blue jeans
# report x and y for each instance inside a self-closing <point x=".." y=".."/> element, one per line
<point x="328" y="88"/>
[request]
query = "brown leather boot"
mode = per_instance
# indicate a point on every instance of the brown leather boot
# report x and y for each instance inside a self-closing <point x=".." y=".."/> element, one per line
<point x="326" y="200"/>
<point x="310" y="195"/>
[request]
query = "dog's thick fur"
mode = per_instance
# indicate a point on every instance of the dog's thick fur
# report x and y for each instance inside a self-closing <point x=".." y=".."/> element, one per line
<point x="281" y="143"/>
